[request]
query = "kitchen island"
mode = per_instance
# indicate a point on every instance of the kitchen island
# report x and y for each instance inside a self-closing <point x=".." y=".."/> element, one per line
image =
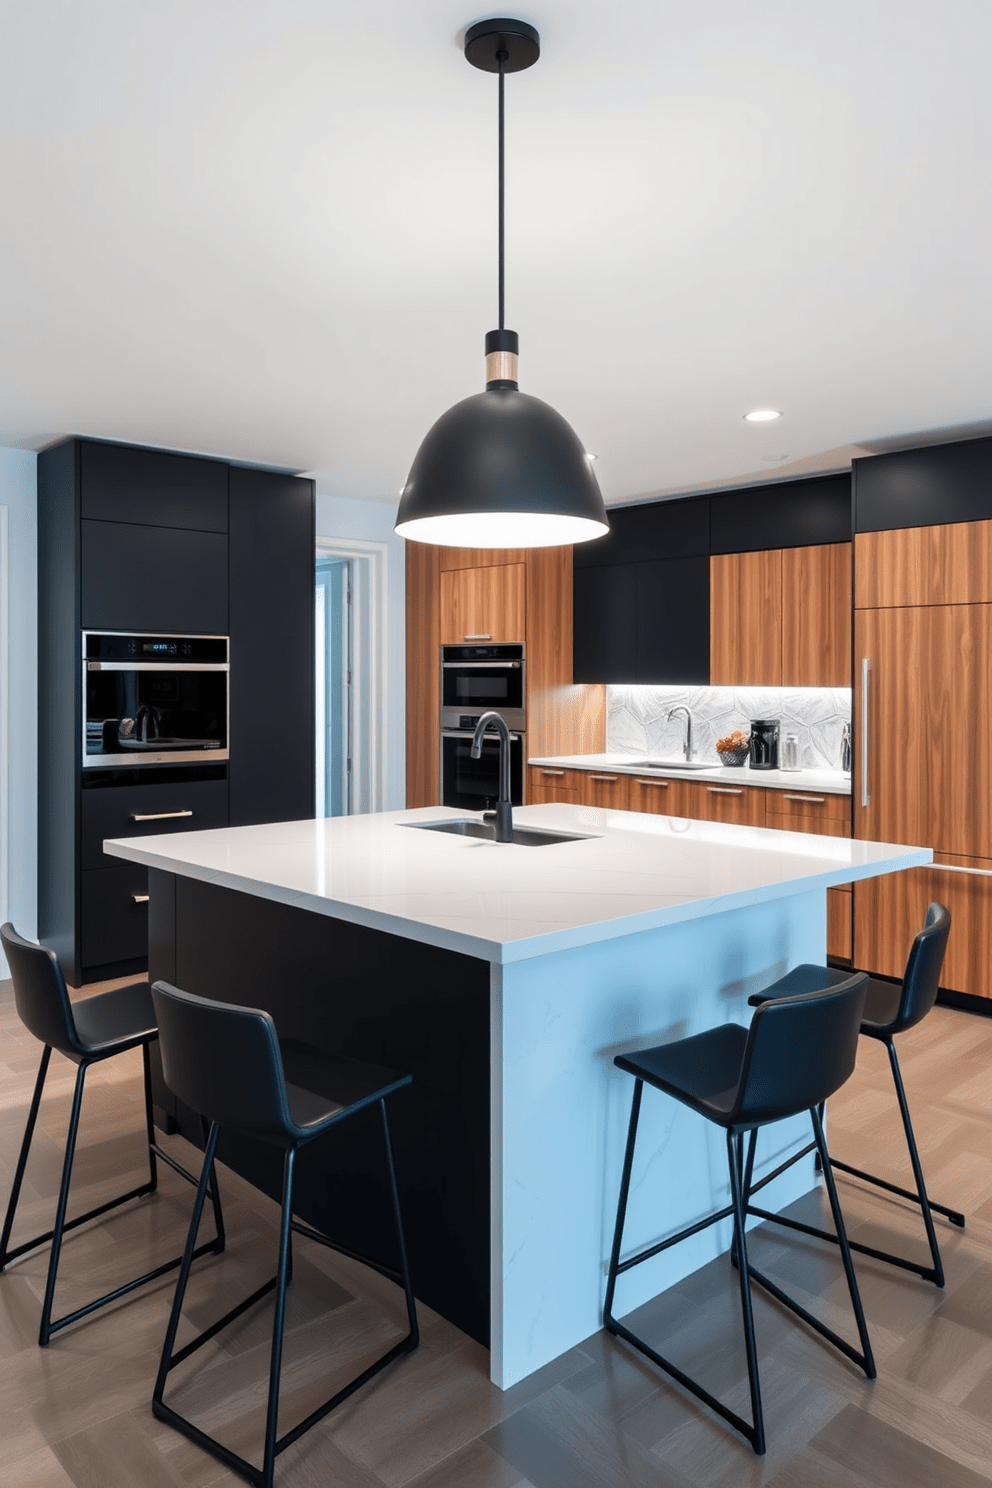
<point x="505" y="978"/>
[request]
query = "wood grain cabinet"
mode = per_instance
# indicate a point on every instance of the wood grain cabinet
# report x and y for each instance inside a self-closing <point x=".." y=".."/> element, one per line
<point x="603" y="788"/>
<point x="663" y="797"/>
<point x="484" y="604"/>
<point x="742" y="804"/>
<point x="547" y="784"/>
<point x="781" y="617"/>
<point x="827" y="814"/>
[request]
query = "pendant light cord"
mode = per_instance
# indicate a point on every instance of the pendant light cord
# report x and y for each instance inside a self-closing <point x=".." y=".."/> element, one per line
<point x="501" y="58"/>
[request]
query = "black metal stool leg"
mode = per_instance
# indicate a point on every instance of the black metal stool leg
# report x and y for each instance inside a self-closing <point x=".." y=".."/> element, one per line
<point x="628" y="1162"/>
<point x="45" y="1331"/>
<point x="278" y="1325"/>
<point x="914" y="1157"/>
<point x="146" y="1070"/>
<point x="755" y="1434"/>
<point x="411" y="1307"/>
<point x="185" y="1267"/>
<point x="22" y="1162"/>
<point x="867" y="1361"/>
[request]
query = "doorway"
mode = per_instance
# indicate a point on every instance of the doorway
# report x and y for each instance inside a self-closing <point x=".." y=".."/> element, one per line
<point x="350" y="636"/>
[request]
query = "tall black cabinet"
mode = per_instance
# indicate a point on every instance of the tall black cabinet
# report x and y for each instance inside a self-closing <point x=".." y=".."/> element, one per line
<point x="144" y="540"/>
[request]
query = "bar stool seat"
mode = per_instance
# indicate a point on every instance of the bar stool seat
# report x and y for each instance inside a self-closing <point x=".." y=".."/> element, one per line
<point x="890" y="1009"/>
<point x="229" y="1063"/>
<point x="795" y="1052"/>
<point x="86" y="1032"/>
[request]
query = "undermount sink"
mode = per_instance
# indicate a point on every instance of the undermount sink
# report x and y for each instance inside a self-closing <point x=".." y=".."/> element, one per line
<point x="522" y="836"/>
<point x="671" y="764"/>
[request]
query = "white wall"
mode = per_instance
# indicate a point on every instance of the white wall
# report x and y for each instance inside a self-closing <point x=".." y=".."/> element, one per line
<point x="19" y="726"/>
<point x="341" y="516"/>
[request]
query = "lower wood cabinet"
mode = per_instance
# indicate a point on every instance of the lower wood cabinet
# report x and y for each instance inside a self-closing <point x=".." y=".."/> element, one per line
<point x="663" y="797"/>
<point x="806" y="811"/>
<point x="602" y="788"/>
<point x="742" y="804"/>
<point x="888" y="912"/>
<point x="544" y="785"/>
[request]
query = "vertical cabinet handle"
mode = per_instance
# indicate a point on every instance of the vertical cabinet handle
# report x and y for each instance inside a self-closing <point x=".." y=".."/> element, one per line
<point x="865" y="671"/>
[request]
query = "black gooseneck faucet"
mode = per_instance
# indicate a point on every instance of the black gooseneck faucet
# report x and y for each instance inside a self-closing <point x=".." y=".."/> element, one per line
<point x="503" y="815"/>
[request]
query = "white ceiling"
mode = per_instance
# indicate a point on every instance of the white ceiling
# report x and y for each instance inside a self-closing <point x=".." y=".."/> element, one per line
<point x="265" y="229"/>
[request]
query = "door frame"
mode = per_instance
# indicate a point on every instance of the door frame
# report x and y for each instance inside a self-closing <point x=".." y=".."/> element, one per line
<point x="370" y="588"/>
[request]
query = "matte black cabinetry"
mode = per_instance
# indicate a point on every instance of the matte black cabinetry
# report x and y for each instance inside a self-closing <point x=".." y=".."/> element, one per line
<point x="272" y="647"/>
<point x="642" y="593"/>
<point x="924" y="487"/>
<point x="144" y="540"/>
<point x="641" y="597"/>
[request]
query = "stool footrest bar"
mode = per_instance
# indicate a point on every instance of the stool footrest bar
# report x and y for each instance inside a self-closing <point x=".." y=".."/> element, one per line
<point x="954" y="1215"/>
<point x="653" y="1250"/>
<point x="72" y="1224"/>
<point x="390" y="1272"/>
<point x="215" y="1328"/>
<point x="927" y="1272"/>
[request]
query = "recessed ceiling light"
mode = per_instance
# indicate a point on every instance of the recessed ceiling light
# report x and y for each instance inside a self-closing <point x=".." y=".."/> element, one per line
<point x="762" y="415"/>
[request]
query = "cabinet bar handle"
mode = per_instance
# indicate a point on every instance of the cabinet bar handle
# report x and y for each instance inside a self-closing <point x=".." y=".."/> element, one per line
<point x="960" y="868"/>
<point x="815" y="800"/>
<point x="664" y="784"/>
<point x="865" y="669"/>
<point x="477" y="638"/>
<point x="723" y="790"/>
<point x="141" y="898"/>
<point x="552" y="772"/>
<point x="606" y="779"/>
<point x="157" y="815"/>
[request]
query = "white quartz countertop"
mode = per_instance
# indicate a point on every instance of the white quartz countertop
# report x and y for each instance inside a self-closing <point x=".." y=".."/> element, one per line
<point x="503" y="902"/>
<point x="823" y="782"/>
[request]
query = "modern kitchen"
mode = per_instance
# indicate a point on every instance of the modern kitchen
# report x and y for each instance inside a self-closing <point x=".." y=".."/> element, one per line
<point x="645" y="734"/>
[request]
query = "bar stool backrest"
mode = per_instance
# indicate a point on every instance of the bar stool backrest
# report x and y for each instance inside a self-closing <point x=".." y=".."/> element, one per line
<point x="799" y="1051"/>
<point x="922" y="976"/>
<point x="40" y="994"/>
<point x="224" y="1061"/>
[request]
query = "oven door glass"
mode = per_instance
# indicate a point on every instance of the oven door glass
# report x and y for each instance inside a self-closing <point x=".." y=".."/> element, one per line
<point x="147" y="714"/>
<point x="473" y="785"/>
<point x="474" y="688"/>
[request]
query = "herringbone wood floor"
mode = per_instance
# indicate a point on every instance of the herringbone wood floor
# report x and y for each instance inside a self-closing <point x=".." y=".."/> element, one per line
<point x="77" y="1413"/>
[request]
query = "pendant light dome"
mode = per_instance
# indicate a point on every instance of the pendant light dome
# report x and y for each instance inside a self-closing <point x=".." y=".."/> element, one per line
<point x="501" y="469"/>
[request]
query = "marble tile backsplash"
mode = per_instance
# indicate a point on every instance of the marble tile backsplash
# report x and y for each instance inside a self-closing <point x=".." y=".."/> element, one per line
<point x="637" y="719"/>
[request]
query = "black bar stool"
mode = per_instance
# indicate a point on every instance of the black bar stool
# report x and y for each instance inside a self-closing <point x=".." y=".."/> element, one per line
<point x="796" y="1052"/>
<point x="94" y="1029"/>
<point x="229" y="1063"/>
<point x="890" y="1008"/>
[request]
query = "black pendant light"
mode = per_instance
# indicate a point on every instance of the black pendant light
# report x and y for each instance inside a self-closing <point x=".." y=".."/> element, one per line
<point x="501" y="469"/>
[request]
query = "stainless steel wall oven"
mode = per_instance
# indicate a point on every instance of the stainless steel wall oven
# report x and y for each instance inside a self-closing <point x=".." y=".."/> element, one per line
<point x="154" y="699"/>
<point x="473" y="680"/>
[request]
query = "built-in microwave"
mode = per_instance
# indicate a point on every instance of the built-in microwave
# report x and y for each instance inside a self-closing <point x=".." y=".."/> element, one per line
<point x="154" y="699"/>
<point x="474" y="678"/>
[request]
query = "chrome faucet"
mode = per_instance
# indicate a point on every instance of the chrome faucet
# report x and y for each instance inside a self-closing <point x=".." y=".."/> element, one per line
<point x="687" y="746"/>
<point x="503" y="815"/>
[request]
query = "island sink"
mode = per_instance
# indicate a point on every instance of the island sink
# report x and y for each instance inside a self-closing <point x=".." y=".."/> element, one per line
<point x="522" y="836"/>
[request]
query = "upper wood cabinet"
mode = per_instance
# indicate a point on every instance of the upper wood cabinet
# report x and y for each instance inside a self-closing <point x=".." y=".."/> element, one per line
<point x="484" y="604"/>
<point x="782" y="617"/>
<point x="943" y="565"/>
<point x="746" y="619"/>
<point x="816" y="616"/>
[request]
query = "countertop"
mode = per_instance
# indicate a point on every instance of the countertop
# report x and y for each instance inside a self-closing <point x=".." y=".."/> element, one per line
<point x="507" y="903"/>
<point x="829" y="782"/>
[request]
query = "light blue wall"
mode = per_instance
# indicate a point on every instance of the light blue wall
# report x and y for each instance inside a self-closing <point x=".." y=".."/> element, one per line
<point x="372" y="521"/>
<point x="18" y="493"/>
